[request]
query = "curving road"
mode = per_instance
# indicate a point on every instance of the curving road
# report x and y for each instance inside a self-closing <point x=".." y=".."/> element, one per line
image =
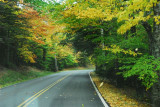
<point x="64" y="89"/>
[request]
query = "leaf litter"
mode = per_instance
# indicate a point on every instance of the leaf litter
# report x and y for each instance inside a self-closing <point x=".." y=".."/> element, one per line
<point x="115" y="96"/>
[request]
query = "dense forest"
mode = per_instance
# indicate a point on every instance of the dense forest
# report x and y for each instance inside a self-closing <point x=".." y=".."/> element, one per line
<point x="120" y="37"/>
<point x="29" y="37"/>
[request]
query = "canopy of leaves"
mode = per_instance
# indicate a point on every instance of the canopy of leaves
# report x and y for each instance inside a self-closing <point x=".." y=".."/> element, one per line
<point x="124" y="34"/>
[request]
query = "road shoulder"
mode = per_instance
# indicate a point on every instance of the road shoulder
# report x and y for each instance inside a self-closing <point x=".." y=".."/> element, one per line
<point x="116" y="97"/>
<point x="98" y="93"/>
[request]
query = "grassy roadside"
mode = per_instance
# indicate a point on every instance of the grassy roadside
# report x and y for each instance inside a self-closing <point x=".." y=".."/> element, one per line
<point x="116" y="97"/>
<point x="10" y="77"/>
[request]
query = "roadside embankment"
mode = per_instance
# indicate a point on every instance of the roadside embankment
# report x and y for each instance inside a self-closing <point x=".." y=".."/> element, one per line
<point x="10" y="76"/>
<point x="116" y="97"/>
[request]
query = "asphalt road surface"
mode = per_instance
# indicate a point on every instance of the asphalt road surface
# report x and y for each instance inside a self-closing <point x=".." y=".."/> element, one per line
<point x="64" y="89"/>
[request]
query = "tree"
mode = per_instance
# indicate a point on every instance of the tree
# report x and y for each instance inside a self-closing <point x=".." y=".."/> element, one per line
<point x="128" y="15"/>
<point x="143" y="11"/>
<point x="40" y="29"/>
<point x="156" y="52"/>
<point x="11" y="26"/>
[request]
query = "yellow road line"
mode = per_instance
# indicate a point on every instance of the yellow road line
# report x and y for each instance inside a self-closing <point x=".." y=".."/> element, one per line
<point x="32" y="98"/>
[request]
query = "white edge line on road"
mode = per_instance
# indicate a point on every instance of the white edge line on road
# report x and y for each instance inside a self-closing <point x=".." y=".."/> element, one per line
<point x="100" y="96"/>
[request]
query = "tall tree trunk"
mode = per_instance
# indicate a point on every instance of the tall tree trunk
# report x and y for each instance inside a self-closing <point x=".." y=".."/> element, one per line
<point x="103" y="52"/>
<point x="7" y="49"/>
<point x="156" y="34"/>
<point x="56" y="66"/>
<point x="102" y="35"/>
<point x="156" y="52"/>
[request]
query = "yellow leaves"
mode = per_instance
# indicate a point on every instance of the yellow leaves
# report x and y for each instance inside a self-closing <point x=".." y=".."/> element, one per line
<point x="3" y="0"/>
<point x="64" y="51"/>
<point x="126" y="14"/>
<point x="26" y="54"/>
<point x="128" y="24"/>
<point x="131" y="12"/>
<point x="80" y="12"/>
<point x="91" y="13"/>
<point x="109" y="15"/>
<point x="147" y="18"/>
<point x="84" y="11"/>
<point x="121" y="8"/>
<point x="117" y="97"/>
<point x="136" y="9"/>
<point x="17" y="12"/>
<point x="116" y="49"/>
<point x="157" y="19"/>
<point x="130" y="21"/>
<point x="59" y="28"/>
<point x="21" y="1"/>
<point x="109" y="18"/>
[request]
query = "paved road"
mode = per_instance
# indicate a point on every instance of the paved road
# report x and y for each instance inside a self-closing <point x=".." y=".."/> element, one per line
<point x="64" y="89"/>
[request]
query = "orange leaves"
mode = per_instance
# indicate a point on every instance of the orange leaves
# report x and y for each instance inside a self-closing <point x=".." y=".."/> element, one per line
<point x="40" y="26"/>
<point x="39" y="41"/>
<point x="29" y="13"/>
<point x="43" y="34"/>
<point x="40" y="30"/>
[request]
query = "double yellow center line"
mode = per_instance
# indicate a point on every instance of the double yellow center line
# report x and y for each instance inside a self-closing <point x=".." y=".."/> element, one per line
<point x="32" y="98"/>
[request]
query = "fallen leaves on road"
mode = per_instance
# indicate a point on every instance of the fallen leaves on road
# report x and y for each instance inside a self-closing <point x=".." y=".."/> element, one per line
<point x="114" y="96"/>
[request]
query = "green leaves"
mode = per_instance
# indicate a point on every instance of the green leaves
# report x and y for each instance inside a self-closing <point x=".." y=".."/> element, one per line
<point x="145" y="68"/>
<point x="82" y="20"/>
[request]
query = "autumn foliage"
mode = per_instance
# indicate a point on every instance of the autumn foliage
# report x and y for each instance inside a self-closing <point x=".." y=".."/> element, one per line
<point x="40" y="26"/>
